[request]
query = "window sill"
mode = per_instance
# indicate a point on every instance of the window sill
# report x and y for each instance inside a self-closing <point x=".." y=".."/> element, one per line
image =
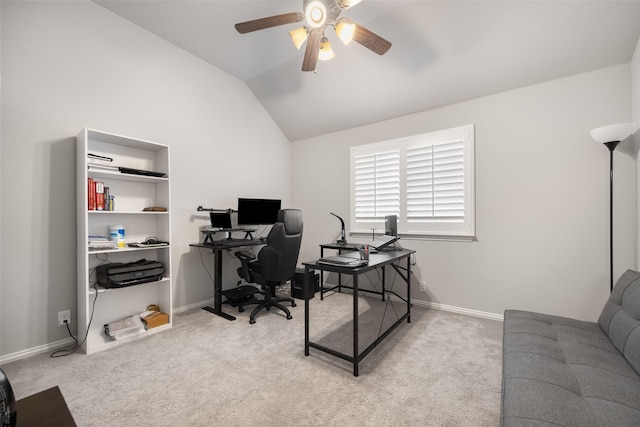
<point x="425" y="237"/>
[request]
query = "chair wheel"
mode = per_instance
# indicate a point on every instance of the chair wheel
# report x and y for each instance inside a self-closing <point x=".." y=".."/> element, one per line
<point x="289" y="317"/>
<point x="293" y="304"/>
<point x="240" y="309"/>
<point x="252" y="321"/>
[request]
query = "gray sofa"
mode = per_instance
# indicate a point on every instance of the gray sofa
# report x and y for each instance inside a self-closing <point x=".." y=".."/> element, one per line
<point x="558" y="371"/>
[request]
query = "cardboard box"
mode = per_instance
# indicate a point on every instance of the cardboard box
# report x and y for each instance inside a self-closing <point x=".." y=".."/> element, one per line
<point x="157" y="318"/>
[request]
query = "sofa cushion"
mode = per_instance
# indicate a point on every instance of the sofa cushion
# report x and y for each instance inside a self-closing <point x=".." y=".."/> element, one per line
<point x="620" y="318"/>
<point x="565" y="372"/>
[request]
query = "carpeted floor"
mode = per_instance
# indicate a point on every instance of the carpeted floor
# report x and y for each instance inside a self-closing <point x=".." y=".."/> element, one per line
<point x="442" y="369"/>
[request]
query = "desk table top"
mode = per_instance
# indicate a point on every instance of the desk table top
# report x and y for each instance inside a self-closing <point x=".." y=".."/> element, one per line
<point x="377" y="259"/>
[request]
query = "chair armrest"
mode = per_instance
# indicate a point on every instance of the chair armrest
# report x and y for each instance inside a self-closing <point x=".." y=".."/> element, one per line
<point x="245" y="258"/>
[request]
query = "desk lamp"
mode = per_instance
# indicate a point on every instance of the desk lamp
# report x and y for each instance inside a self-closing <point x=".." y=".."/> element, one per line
<point x="342" y="239"/>
<point x="611" y="136"/>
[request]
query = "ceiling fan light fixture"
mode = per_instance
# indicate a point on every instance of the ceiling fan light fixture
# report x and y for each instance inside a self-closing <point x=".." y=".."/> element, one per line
<point x="345" y="30"/>
<point x="345" y="4"/>
<point x="299" y="36"/>
<point x="326" y="52"/>
<point x="316" y="14"/>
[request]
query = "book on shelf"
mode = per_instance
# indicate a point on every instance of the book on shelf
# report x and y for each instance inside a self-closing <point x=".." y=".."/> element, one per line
<point x="102" y="168"/>
<point x="91" y="189"/>
<point x="101" y="242"/>
<point x="99" y="195"/>
<point x="125" y="328"/>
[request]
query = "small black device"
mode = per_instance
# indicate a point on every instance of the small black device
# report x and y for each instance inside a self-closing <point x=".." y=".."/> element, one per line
<point x="391" y="225"/>
<point x="133" y="171"/>
<point x="258" y="211"/>
<point x="220" y="219"/>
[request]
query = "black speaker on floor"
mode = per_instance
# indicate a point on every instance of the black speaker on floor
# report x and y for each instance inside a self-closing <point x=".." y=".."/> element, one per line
<point x="297" y="284"/>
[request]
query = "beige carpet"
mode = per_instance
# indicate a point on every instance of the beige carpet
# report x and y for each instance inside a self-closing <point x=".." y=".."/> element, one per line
<point x="442" y="369"/>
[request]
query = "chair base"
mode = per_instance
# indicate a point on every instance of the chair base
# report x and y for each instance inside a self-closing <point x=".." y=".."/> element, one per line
<point x="268" y="302"/>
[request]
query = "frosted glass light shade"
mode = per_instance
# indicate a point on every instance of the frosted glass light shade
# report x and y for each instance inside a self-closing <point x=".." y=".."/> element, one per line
<point x="298" y="36"/>
<point x="326" y="52"/>
<point x="613" y="133"/>
<point x="345" y="30"/>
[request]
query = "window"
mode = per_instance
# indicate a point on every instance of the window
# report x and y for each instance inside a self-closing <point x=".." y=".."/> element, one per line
<point x="426" y="180"/>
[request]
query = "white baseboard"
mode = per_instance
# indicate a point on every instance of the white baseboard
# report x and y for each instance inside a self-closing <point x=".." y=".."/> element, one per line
<point x="193" y="306"/>
<point x="67" y="342"/>
<point x="459" y="310"/>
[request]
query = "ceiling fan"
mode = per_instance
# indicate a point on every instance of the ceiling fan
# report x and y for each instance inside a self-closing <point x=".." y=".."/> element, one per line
<point x="320" y="14"/>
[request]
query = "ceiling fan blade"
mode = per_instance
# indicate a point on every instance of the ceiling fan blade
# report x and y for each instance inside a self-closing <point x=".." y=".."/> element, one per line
<point x="371" y="40"/>
<point x="312" y="51"/>
<point x="271" y="21"/>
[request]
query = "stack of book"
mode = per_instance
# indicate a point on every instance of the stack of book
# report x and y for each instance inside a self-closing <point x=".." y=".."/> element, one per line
<point x="99" y="197"/>
<point x="96" y="162"/>
<point x="101" y="242"/>
<point x="98" y="194"/>
<point x="125" y="328"/>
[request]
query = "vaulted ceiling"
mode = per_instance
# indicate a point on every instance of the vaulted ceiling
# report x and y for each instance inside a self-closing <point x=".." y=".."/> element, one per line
<point x="443" y="52"/>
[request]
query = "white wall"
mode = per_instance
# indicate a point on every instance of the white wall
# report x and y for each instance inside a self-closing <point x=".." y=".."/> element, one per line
<point x="635" y="109"/>
<point x="542" y="191"/>
<point x="66" y="65"/>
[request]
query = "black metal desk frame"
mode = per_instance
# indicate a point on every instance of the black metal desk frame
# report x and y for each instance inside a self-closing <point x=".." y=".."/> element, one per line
<point x="218" y="248"/>
<point x="341" y="248"/>
<point x="377" y="260"/>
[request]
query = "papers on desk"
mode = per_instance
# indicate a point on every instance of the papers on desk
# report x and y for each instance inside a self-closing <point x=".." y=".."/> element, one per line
<point x="343" y="261"/>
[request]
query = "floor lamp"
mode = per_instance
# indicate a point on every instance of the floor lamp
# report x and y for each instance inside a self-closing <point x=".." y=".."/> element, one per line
<point x="611" y="136"/>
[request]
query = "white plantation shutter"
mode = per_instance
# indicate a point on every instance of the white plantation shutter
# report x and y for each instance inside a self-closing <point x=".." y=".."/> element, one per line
<point x="435" y="182"/>
<point x="377" y="185"/>
<point x="426" y="180"/>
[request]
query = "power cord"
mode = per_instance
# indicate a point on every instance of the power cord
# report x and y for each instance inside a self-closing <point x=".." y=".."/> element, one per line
<point x="67" y="351"/>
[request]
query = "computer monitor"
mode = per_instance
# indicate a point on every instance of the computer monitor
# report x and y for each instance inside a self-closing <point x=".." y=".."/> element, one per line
<point x="220" y="219"/>
<point x="258" y="211"/>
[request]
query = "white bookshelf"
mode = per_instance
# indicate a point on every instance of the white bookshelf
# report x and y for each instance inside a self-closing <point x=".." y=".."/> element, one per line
<point x="132" y="194"/>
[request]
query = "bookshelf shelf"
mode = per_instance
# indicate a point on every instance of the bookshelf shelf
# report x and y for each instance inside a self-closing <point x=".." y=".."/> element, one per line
<point x="124" y="177"/>
<point x="126" y="213"/>
<point x="132" y="193"/>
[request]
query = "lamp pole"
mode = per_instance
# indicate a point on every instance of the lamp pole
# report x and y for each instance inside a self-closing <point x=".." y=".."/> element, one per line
<point x="611" y="146"/>
<point x="611" y="136"/>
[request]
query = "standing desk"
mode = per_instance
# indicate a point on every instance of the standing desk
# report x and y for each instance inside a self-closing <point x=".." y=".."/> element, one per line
<point x="218" y="247"/>
<point x="377" y="260"/>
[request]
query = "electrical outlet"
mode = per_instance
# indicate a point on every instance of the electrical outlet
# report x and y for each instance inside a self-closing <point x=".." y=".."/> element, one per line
<point x="423" y="285"/>
<point x="64" y="315"/>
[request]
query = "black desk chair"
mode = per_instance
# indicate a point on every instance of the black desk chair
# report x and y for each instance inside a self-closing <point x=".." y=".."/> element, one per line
<point x="8" y="409"/>
<point x="276" y="262"/>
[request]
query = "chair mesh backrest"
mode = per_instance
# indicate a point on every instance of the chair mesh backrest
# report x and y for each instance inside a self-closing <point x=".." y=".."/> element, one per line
<point x="279" y="258"/>
<point x="620" y="318"/>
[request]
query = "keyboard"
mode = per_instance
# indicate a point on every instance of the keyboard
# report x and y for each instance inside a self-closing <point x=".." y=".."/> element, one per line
<point x="233" y="242"/>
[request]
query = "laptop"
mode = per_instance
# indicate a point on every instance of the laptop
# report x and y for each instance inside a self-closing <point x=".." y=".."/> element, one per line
<point x="343" y="261"/>
<point x="383" y="241"/>
<point x="220" y="220"/>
